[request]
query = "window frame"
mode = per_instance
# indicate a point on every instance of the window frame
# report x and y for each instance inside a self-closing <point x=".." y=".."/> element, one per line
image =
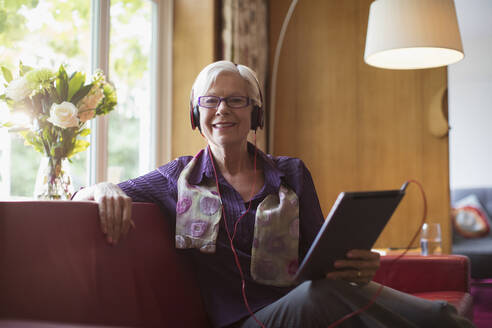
<point x="159" y="118"/>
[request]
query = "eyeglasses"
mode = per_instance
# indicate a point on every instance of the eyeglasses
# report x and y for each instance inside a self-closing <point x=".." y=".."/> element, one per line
<point x="214" y="101"/>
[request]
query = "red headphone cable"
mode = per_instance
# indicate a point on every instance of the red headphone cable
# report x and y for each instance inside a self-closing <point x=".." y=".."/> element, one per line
<point x="236" y="258"/>
<point x="231" y="239"/>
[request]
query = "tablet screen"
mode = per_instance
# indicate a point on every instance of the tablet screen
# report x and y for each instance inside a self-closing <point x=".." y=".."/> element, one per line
<point x="355" y="222"/>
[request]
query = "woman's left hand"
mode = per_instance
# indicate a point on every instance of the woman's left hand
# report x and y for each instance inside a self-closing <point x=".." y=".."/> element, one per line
<point x="360" y="266"/>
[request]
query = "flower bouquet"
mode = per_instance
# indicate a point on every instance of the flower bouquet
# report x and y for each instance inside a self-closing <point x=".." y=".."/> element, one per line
<point x="58" y="106"/>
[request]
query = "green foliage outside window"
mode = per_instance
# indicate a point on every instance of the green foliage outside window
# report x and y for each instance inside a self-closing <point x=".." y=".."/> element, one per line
<point x="52" y="32"/>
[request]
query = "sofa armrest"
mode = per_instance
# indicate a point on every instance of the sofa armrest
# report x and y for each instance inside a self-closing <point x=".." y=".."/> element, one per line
<point x="417" y="274"/>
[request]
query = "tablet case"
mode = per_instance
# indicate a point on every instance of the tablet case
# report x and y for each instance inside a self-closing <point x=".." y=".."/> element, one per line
<point x="355" y="222"/>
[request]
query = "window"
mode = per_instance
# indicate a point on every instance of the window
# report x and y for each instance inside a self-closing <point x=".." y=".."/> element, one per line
<point x="122" y="37"/>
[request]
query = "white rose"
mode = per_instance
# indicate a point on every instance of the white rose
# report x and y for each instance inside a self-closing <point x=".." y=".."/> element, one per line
<point x="64" y="115"/>
<point x="18" y="89"/>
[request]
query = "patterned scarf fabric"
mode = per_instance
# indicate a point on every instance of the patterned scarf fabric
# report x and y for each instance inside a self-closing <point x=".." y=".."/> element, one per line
<point x="274" y="254"/>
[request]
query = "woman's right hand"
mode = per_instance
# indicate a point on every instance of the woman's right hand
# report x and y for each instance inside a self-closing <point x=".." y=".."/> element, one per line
<point x="115" y="209"/>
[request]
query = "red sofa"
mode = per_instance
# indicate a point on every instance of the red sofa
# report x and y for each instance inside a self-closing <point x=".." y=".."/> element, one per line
<point x="56" y="270"/>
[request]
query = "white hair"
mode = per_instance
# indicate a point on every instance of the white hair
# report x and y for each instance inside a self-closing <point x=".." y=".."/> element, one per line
<point x="209" y="74"/>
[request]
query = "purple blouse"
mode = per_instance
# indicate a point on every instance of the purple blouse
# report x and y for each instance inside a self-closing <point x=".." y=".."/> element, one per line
<point x="217" y="273"/>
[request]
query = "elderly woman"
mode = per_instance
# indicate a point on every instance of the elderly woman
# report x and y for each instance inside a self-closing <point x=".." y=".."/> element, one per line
<point x="249" y="218"/>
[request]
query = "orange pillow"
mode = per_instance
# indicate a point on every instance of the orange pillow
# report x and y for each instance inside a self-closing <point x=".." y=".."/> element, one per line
<point x="470" y="219"/>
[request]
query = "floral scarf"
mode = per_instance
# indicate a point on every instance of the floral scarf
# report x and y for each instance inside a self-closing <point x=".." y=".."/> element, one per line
<point x="274" y="253"/>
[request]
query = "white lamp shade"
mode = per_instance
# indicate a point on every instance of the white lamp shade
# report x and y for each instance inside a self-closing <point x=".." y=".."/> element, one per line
<point x="412" y="34"/>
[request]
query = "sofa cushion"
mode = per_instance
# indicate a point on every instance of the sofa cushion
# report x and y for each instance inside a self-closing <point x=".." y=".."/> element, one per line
<point x="470" y="219"/>
<point x="411" y="273"/>
<point x="444" y="277"/>
<point x="463" y="302"/>
<point x="479" y="250"/>
<point x="484" y="195"/>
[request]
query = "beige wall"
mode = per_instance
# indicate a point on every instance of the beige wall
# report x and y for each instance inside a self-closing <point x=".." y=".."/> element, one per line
<point x="357" y="127"/>
<point x="193" y="49"/>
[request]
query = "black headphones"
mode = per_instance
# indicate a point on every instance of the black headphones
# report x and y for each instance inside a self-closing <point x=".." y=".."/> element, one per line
<point x="256" y="113"/>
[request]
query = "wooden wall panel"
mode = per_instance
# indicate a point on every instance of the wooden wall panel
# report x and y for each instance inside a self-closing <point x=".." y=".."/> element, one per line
<point x="357" y="127"/>
<point x="193" y="49"/>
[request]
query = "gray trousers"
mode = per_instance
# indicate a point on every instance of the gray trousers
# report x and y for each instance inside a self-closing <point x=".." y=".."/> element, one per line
<point x="322" y="302"/>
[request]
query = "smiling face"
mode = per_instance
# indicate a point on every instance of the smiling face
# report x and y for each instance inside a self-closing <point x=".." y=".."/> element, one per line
<point x="225" y="126"/>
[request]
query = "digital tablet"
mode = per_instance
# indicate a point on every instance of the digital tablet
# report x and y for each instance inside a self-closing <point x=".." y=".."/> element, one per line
<point x="355" y="222"/>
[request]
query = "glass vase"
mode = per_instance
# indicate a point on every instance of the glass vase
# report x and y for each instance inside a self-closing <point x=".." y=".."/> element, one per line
<point x="53" y="181"/>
